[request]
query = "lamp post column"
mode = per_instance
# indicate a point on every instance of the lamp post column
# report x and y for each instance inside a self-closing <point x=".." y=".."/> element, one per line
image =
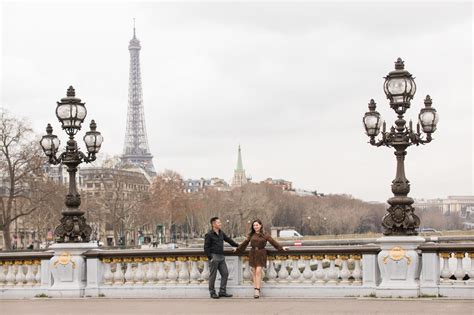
<point x="398" y="259"/>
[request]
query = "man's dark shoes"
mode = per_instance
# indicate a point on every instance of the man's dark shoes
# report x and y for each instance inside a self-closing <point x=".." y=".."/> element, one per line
<point x="214" y="296"/>
<point x="225" y="295"/>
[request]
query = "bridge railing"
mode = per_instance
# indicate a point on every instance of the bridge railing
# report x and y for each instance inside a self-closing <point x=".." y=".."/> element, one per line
<point x="447" y="269"/>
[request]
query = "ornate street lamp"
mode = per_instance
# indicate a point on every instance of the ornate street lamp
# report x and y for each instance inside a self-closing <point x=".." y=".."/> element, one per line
<point x="400" y="88"/>
<point x="71" y="114"/>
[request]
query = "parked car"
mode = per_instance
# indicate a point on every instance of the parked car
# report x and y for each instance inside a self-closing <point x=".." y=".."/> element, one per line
<point x="429" y="230"/>
<point x="289" y="234"/>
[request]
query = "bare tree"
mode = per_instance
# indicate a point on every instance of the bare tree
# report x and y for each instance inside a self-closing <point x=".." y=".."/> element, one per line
<point x="167" y="200"/>
<point x="21" y="168"/>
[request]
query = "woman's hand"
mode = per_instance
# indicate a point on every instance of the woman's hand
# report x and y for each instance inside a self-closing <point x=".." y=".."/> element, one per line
<point x="285" y="249"/>
<point x="234" y="249"/>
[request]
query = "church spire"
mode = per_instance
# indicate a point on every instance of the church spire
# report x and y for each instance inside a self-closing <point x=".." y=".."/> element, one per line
<point x="239" y="161"/>
<point x="239" y="173"/>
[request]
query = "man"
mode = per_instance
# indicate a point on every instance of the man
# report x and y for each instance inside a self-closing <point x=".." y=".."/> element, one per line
<point x="214" y="249"/>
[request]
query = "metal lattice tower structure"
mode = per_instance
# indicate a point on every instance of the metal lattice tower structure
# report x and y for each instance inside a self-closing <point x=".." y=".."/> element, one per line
<point x="136" y="151"/>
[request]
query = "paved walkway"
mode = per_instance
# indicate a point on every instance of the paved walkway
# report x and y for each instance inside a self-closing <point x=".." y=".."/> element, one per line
<point x="236" y="306"/>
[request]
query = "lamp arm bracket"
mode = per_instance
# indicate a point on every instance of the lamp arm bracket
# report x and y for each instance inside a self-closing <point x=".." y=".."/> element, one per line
<point x="90" y="157"/>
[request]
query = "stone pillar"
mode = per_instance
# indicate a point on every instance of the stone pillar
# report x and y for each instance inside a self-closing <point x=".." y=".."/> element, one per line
<point x="399" y="263"/>
<point x="94" y="277"/>
<point x="68" y="269"/>
<point x="430" y="274"/>
<point x="370" y="271"/>
<point x="234" y="267"/>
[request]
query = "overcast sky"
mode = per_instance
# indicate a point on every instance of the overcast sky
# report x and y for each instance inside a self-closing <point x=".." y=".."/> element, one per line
<point x="289" y="81"/>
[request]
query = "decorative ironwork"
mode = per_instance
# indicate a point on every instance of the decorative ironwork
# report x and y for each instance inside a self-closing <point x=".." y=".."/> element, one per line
<point x="400" y="88"/>
<point x="71" y="113"/>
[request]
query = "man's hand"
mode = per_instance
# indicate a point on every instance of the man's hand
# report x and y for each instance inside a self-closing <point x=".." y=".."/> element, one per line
<point x="234" y="249"/>
<point x="285" y="249"/>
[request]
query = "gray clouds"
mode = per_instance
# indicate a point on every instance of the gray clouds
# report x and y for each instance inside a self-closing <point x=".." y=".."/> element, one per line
<point x="289" y="81"/>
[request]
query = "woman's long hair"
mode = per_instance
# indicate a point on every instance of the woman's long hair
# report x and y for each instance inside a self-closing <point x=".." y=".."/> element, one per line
<point x="252" y="231"/>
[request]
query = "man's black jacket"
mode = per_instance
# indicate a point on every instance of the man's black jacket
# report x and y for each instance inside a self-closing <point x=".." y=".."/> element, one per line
<point x="214" y="243"/>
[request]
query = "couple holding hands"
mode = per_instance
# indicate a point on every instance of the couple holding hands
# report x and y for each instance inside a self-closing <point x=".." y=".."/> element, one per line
<point x="214" y="249"/>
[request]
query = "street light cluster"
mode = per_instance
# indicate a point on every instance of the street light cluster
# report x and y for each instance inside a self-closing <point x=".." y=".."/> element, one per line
<point x="71" y="113"/>
<point x="400" y="87"/>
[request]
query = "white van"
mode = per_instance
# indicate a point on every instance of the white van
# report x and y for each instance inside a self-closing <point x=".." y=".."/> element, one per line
<point x="289" y="234"/>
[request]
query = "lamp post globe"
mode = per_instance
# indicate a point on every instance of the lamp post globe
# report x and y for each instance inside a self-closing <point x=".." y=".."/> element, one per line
<point x="399" y="87"/>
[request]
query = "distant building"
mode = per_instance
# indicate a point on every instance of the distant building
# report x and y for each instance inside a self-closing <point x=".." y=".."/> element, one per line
<point x="283" y="184"/>
<point x="451" y="204"/>
<point x="122" y="185"/>
<point x="201" y="185"/>
<point x="58" y="174"/>
<point x="97" y="181"/>
<point x="239" y="173"/>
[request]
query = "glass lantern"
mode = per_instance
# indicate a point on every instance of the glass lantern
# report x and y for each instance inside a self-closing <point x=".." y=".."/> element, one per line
<point x="372" y="120"/>
<point x="428" y="117"/>
<point x="50" y="143"/>
<point x="93" y="139"/>
<point x="71" y="112"/>
<point x="399" y="86"/>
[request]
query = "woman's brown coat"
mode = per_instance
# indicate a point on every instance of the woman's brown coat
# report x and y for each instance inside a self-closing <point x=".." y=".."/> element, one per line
<point x="258" y="253"/>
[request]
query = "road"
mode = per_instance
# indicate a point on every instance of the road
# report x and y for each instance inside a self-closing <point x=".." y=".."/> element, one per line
<point x="236" y="306"/>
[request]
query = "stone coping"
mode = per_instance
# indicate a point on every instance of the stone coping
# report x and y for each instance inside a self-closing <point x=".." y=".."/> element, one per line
<point x="306" y="250"/>
<point x="450" y="247"/>
<point x="25" y="255"/>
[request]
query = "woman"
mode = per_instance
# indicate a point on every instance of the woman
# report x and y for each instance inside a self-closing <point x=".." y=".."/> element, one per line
<point x="258" y="254"/>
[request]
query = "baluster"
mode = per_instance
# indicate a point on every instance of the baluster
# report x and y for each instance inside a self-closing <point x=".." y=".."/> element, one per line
<point x="307" y="272"/>
<point x="20" y="275"/>
<point x="128" y="272"/>
<point x="345" y="273"/>
<point x="38" y="272"/>
<point x="10" y="278"/>
<point x="205" y="270"/>
<point x="160" y="274"/>
<point x="194" y="275"/>
<point x="172" y="274"/>
<point x="295" y="271"/>
<point x="332" y="272"/>
<point x="470" y="271"/>
<point x="283" y="274"/>
<point x="150" y="270"/>
<point x="271" y="272"/>
<point x="118" y="274"/>
<point x="445" y="272"/>
<point x="459" y="272"/>
<point x="108" y="276"/>
<point x="319" y="274"/>
<point x="246" y="275"/>
<point x="357" y="272"/>
<point x="139" y="275"/>
<point x="30" y="277"/>
<point x="2" y="273"/>
<point x="183" y="274"/>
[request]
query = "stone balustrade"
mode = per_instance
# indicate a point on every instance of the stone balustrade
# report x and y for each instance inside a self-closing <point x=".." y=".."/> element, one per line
<point x="141" y="272"/>
<point x="447" y="269"/>
<point x="23" y="272"/>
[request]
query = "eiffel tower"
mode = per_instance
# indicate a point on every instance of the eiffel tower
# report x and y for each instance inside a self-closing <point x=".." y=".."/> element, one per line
<point x="136" y="151"/>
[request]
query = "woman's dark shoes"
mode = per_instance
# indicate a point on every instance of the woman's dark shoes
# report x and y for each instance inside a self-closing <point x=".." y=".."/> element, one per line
<point x="214" y="296"/>
<point x="225" y="295"/>
<point x="256" y="296"/>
